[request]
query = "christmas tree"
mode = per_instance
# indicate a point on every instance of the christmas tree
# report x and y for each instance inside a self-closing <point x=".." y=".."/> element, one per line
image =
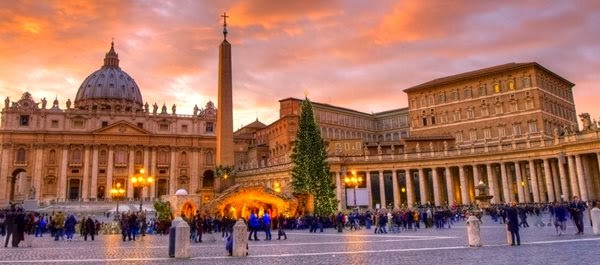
<point x="310" y="172"/>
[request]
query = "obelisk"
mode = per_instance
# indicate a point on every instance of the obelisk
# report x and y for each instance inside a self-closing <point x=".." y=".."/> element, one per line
<point x="225" y="107"/>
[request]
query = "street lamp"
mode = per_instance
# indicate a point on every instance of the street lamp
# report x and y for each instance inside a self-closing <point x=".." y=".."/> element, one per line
<point x="140" y="182"/>
<point x="117" y="193"/>
<point x="353" y="181"/>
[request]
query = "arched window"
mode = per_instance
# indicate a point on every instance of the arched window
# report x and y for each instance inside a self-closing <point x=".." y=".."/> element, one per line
<point x="76" y="156"/>
<point x="138" y="157"/>
<point x="52" y="157"/>
<point x="209" y="158"/>
<point x="21" y="155"/>
<point x="183" y="158"/>
<point x="102" y="157"/>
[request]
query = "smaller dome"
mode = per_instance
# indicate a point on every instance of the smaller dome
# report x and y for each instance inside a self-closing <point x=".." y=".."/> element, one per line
<point x="181" y="192"/>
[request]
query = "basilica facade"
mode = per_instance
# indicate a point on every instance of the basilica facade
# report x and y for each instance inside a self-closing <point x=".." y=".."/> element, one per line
<point x="512" y="127"/>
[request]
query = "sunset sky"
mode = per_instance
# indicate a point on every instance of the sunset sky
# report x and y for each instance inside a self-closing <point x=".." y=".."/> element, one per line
<point x="355" y="54"/>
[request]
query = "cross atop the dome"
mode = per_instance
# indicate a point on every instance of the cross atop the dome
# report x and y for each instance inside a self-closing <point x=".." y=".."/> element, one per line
<point x="224" y="16"/>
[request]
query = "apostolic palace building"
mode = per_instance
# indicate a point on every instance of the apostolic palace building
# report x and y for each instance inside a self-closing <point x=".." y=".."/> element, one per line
<point x="511" y="126"/>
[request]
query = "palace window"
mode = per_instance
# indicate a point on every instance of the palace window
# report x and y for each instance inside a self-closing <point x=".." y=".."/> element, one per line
<point x="514" y="107"/>
<point x="459" y="136"/>
<point x="532" y="127"/>
<point x="517" y="129"/>
<point x="442" y="98"/>
<point x="485" y="111"/>
<point x="467" y="93"/>
<point x="482" y="90"/>
<point x="120" y="157"/>
<point x="529" y="104"/>
<point x="496" y="88"/>
<point x="184" y="128"/>
<point x="24" y="120"/>
<point x="501" y="131"/>
<point x="163" y="127"/>
<point x="102" y="157"/>
<point x="487" y="133"/>
<point x="499" y="109"/>
<point x="76" y="156"/>
<point x="104" y="124"/>
<point x="526" y="82"/>
<point x="431" y="102"/>
<point x="511" y="85"/>
<point x="54" y="124"/>
<point x="470" y="114"/>
<point x="209" y="127"/>
<point x="138" y="158"/>
<point x="52" y="157"/>
<point x="473" y="135"/>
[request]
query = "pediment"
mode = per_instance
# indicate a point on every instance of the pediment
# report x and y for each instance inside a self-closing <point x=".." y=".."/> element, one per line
<point x="122" y="128"/>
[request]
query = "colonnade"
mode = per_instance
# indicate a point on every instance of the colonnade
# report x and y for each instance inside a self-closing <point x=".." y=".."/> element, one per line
<point x="532" y="180"/>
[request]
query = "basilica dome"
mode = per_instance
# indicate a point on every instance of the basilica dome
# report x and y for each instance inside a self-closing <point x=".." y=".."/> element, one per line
<point x="109" y="88"/>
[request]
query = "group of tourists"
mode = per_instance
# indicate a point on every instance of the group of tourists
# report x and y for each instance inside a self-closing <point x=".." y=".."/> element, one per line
<point x="20" y="227"/>
<point x="132" y="224"/>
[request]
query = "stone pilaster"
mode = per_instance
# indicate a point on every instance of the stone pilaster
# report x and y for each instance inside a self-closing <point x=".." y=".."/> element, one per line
<point x="94" y="185"/>
<point x="564" y="182"/>
<point x="109" y="170"/>
<point x="172" y="174"/>
<point x="573" y="177"/>
<point x="491" y="183"/>
<point x="464" y="187"/>
<point x="130" y="172"/>
<point x="519" y="177"/>
<point x="395" y="188"/>
<point x="86" y="174"/>
<point x="548" y="179"/>
<point x="449" y="185"/>
<point x="581" y="178"/>
<point x="62" y="182"/>
<point x="410" y="189"/>
<point x="153" y="172"/>
<point x="504" y="177"/>
<point x="382" y="189"/>
<point x="37" y="170"/>
<point x="437" y="196"/>
<point x="422" y="186"/>
<point x="476" y="178"/>
<point x="534" y="182"/>
<point x="370" y="203"/>
<point x="148" y="172"/>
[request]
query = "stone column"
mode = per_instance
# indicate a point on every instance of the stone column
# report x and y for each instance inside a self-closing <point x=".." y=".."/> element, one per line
<point x="338" y="189"/>
<point x="86" y="174"/>
<point x="504" y="177"/>
<point x="520" y="192"/>
<point x="422" y="186"/>
<point x="573" y="176"/>
<point x="62" y="182"/>
<point x="491" y="183"/>
<point x="395" y="189"/>
<point x="449" y="185"/>
<point x="581" y="178"/>
<point x="109" y="170"/>
<point x="94" y="185"/>
<point x="6" y="147"/>
<point x="555" y="180"/>
<point x="37" y="171"/>
<point x="410" y="190"/>
<point x="370" y="195"/>
<point x="564" y="184"/>
<point x="147" y="172"/>
<point x="194" y="175"/>
<point x="534" y="181"/>
<point x="548" y="178"/>
<point x="476" y="178"/>
<point x="382" y="190"/>
<point x="130" y="172"/>
<point x="437" y="196"/>
<point x="464" y="187"/>
<point x="153" y="172"/>
<point x="172" y="174"/>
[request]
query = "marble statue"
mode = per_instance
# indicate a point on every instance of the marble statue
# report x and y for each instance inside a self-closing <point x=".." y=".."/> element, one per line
<point x="44" y="102"/>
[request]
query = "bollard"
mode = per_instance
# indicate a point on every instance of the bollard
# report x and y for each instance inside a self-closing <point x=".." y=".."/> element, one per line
<point x="474" y="231"/>
<point x="240" y="239"/>
<point x="595" y="221"/>
<point x="182" y="240"/>
<point x="172" y="242"/>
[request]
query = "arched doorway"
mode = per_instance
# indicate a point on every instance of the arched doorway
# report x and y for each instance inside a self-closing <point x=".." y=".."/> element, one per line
<point x="17" y="184"/>
<point x="101" y="191"/>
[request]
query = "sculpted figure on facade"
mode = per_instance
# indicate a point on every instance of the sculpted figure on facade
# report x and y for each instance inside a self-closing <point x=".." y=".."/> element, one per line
<point x="445" y="145"/>
<point x="32" y="192"/>
<point x="44" y="102"/>
<point x="154" y="108"/>
<point x="174" y="109"/>
<point x="586" y="121"/>
<point x="379" y="152"/>
<point x="146" y="107"/>
<point x="7" y="103"/>
<point x="196" y="109"/>
<point x="418" y="148"/>
<point x="69" y="103"/>
<point x="366" y="150"/>
<point x="163" y="109"/>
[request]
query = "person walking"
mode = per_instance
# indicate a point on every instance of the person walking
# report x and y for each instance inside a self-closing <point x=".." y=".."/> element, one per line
<point x="58" y="221"/>
<point x="267" y="223"/>
<point x="254" y="225"/>
<point x="560" y="218"/>
<point x="89" y="228"/>
<point x="512" y="223"/>
<point x="9" y="223"/>
<point x="576" y="209"/>
<point x="281" y="223"/>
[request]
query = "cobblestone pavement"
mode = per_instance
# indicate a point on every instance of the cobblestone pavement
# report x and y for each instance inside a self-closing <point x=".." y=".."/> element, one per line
<point x="540" y="245"/>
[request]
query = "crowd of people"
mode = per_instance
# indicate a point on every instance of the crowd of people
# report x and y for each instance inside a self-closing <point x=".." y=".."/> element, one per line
<point x="17" y="225"/>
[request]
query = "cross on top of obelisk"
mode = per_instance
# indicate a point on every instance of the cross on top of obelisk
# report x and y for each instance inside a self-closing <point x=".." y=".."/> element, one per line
<point x="225" y="16"/>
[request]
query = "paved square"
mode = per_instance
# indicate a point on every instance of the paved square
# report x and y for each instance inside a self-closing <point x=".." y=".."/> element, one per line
<point x="540" y="245"/>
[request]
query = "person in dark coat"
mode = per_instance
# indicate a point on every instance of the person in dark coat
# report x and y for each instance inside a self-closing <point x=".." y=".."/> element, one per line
<point x="11" y="228"/>
<point x="576" y="208"/>
<point x="88" y="228"/>
<point x="512" y="222"/>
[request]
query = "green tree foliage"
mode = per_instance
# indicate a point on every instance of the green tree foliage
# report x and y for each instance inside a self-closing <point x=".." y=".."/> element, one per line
<point x="310" y="172"/>
<point x="163" y="210"/>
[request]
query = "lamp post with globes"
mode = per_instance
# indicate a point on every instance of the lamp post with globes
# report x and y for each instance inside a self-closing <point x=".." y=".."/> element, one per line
<point x="140" y="181"/>
<point x="354" y="180"/>
<point x="117" y="193"/>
